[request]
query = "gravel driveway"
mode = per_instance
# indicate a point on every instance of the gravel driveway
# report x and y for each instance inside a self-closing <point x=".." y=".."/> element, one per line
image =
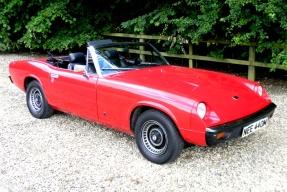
<point x="65" y="153"/>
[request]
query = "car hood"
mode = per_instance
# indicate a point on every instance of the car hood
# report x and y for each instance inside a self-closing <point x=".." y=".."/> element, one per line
<point x="230" y="97"/>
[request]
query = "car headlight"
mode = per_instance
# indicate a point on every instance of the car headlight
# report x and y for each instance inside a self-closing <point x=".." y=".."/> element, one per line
<point x="259" y="90"/>
<point x="201" y="110"/>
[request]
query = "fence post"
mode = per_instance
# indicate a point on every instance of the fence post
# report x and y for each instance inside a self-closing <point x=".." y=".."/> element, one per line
<point x="251" y="69"/>
<point x="142" y="57"/>
<point x="190" y="52"/>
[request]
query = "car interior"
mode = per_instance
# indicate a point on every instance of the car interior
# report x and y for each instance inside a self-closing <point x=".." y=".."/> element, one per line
<point x="77" y="62"/>
<point x="111" y="58"/>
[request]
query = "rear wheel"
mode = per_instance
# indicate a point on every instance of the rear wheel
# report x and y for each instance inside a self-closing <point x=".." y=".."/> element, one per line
<point x="157" y="137"/>
<point x="37" y="102"/>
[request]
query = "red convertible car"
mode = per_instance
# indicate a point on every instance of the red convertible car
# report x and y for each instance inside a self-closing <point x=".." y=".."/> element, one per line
<point x="132" y="88"/>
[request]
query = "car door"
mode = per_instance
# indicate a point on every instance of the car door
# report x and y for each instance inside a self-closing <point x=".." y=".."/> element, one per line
<point x="74" y="93"/>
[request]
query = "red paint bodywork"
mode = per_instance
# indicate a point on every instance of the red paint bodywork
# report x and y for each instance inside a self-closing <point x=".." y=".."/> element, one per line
<point x="110" y="100"/>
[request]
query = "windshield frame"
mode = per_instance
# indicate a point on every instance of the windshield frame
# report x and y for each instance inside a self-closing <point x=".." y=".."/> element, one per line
<point x="93" y="52"/>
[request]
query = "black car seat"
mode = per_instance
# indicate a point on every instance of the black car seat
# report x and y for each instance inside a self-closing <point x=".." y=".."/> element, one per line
<point x="114" y="57"/>
<point x="80" y="59"/>
<point x="76" y="59"/>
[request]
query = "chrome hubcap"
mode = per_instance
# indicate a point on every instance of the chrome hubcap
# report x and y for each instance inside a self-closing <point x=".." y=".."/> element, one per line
<point x="154" y="137"/>
<point x="36" y="99"/>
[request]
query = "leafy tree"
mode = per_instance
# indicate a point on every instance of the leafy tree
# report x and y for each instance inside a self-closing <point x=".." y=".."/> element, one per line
<point x="51" y="24"/>
<point x="238" y="21"/>
<point x="63" y="25"/>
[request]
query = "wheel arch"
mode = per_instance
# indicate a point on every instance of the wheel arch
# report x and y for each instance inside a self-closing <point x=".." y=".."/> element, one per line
<point x="28" y="80"/>
<point x="138" y="110"/>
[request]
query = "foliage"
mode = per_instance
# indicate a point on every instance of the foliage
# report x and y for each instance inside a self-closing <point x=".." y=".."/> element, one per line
<point x="237" y="21"/>
<point x="54" y="25"/>
<point x="64" y="25"/>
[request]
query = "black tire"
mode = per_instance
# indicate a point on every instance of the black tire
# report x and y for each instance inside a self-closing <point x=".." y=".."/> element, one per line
<point x="37" y="102"/>
<point x="157" y="137"/>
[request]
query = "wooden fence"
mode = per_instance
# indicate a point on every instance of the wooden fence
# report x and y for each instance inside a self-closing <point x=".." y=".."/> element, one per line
<point x="251" y="63"/>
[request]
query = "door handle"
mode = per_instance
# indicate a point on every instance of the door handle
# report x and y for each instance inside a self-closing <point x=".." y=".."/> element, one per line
<point x="54" y="76"/>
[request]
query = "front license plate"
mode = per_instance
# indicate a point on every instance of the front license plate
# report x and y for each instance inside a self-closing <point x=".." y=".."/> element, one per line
<point x="254" y="127"/>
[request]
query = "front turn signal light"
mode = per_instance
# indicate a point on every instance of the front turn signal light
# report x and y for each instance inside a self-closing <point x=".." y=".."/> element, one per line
<point x="220" y="135"/>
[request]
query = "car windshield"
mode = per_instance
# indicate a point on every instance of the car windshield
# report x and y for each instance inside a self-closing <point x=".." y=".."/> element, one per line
<point x="117" y="57"/>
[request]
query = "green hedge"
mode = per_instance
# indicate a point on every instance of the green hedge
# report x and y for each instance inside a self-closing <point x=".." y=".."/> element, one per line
<point x="237" y="21"/>
<point x="63" y="25"/>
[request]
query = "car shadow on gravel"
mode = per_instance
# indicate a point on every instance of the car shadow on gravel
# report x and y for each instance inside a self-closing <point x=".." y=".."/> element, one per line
<point x="224" y="153"/>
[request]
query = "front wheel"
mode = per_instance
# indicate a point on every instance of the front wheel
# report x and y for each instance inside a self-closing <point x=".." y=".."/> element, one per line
<point x="157" y="137"/>
<point x="37" y="102"/>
